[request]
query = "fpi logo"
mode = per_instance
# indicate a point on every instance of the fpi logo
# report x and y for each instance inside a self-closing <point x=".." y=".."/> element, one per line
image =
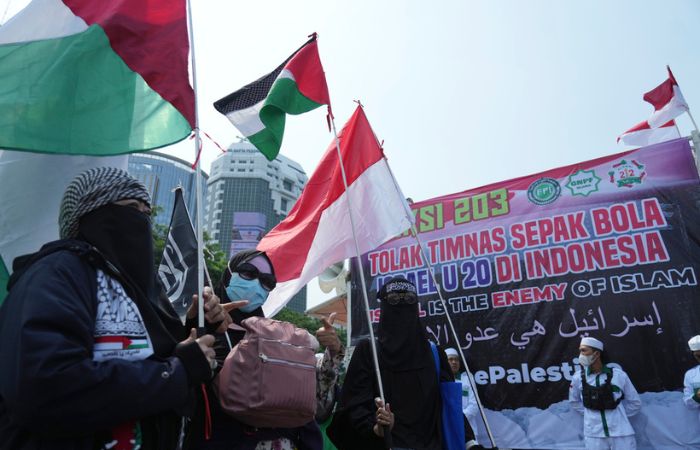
<point x="627" y="174"/>
<point x="544" y="191"/>
<point x="583" y="182"/>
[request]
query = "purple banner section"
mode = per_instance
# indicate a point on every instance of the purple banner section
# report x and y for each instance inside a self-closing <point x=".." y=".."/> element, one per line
<point x="608" y="248"/>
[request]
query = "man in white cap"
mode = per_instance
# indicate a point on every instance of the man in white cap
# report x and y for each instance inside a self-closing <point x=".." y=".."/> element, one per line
<point x="469" y="406"/>
<point x="606" y="397"/>
<point x="691" y="382"/>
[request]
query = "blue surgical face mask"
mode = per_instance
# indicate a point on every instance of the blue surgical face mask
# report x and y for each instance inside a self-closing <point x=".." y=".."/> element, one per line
<point x="240" y="289"/>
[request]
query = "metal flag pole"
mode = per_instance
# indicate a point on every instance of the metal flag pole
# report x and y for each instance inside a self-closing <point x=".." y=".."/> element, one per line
<point x="348" y="308"/>
<point x="211" y="285"/>
<point x="695" y="137"/>
<point x="694" y="134"/>
<point x="373" y="345"/>
<point x="414" y="232"/>
<point x="198" y="178"/>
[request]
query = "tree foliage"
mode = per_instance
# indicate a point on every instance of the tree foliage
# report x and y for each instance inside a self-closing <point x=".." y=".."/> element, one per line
<point x="308" y="323"/>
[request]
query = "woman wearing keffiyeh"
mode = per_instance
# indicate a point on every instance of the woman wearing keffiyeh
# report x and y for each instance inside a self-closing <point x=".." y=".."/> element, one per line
<point x="93" y="356"/>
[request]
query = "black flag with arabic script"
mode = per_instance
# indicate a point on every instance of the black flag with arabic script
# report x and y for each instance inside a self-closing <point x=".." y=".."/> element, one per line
<point x="178" y="267"/>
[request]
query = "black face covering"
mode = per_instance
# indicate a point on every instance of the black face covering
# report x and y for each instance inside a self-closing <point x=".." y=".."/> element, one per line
<point x="123" y="235"/>
<point x="402" y="341"/>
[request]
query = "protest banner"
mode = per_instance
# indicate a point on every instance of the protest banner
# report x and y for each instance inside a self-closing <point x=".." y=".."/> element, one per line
<point x="608" y="248"/>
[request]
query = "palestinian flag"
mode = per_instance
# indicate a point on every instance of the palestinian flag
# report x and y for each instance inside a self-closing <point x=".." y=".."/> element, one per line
<point x="104" y="343"/>
<point x="132" y="348"/>
<point x="258" y="109"/>
<point x="95" y="77"/>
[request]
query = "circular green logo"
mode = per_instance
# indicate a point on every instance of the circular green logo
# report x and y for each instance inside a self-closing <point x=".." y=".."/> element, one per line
<point x="544" y="191"/>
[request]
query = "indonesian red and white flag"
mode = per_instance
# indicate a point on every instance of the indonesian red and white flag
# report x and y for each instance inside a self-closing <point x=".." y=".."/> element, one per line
<point x="643" y="134"/>
<point x="668" y="103"/>
<point x="318" y="232"/>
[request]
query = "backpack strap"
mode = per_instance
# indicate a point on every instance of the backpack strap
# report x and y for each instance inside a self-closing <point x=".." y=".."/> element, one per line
<point x="608" y="381"/>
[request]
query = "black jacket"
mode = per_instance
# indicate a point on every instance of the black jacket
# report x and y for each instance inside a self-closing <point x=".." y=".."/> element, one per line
<point x="52" y="394"/>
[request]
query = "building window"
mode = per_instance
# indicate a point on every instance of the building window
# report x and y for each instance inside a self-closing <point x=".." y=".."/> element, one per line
<point x="284" y="204"/>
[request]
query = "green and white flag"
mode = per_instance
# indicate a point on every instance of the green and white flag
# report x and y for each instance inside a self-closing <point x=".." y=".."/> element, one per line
<point x="83" y="78"/>
<point x="95" y="78"/>
<point x="32" y="185"/>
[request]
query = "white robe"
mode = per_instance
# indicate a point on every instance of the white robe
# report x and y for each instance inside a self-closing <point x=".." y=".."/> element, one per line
<point x="469" y="406"/>
<point x="608" y="423"/>
<point x="691" y="383"/>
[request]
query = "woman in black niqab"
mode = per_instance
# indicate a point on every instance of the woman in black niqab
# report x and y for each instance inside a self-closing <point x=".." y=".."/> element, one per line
<point x="408" y="374"/>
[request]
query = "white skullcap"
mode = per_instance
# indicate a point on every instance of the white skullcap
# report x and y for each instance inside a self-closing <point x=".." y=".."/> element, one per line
<point x="452" y="352"/>
<point x="592" y="342"/>
<point x="694" y="343"/>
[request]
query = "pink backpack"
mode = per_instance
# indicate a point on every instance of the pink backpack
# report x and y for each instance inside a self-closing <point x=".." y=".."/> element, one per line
<point x="269" y="377"/>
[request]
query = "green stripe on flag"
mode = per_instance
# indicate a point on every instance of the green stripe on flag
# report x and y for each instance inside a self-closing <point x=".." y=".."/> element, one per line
<point x="75" y="95"/>
<point x="4" y="278"/>
<point x="284" y="97"/>
<point x="136" y="346"/>
<point x="267" y="141"/>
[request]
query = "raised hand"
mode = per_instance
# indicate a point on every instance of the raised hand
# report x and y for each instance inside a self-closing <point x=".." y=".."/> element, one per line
<point x="327" y="336"/>
<point x="214" y="311"/>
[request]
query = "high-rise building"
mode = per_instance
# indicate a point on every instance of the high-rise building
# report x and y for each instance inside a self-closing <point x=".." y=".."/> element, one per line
<point x="161" y="174"/>
<point x="247" y="195"/>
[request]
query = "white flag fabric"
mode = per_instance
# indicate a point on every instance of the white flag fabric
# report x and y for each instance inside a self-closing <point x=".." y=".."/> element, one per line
<point x="643" y="134"/>
<point x="668" y="103"/>
<point x="32" y="187"/>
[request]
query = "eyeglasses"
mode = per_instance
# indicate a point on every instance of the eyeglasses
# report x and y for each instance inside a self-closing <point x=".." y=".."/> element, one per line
<point x="248" y="271"/>
<point x="406" y="298"/>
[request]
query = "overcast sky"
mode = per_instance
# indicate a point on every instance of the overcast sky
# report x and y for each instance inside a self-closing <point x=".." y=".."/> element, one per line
<point x="463" y="93"/>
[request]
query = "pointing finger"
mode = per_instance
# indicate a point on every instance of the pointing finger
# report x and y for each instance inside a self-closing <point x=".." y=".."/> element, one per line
<point x="228" y="307"/>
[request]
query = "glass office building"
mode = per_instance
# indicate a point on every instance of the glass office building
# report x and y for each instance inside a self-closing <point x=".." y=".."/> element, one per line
<point x="161" y="174"/>
<point x="247" y="195"/>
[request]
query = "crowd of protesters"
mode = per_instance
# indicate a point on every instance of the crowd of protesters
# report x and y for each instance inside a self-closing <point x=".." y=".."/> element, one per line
<point x="94" y="356"/>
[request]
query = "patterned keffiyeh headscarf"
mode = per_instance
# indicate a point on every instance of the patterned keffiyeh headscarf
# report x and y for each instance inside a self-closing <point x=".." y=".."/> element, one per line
<point x="95" y="188"/>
